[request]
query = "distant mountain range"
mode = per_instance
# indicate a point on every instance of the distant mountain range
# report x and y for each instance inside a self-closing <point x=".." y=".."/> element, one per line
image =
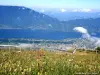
<point x="18" y="17"/>
<point x="91" y="24"/>
<point x="65" y="16"/>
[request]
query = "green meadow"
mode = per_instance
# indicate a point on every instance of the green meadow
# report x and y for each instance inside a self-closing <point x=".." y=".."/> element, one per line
<point x="43" y="62"/>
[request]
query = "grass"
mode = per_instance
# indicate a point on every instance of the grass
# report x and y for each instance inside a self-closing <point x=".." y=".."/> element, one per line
<point x="42" y="62"/>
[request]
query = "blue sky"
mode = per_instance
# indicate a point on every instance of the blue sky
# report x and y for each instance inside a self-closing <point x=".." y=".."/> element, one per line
<point x="89" y="4"/>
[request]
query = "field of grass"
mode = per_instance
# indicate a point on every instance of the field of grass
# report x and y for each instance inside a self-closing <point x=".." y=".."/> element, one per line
<point x="42" y="62"/>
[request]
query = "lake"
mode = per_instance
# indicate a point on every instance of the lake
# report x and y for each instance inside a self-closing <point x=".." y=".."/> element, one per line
<point x="39" y="34"/>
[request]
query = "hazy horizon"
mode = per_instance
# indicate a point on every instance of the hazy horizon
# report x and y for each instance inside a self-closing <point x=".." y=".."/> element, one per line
<point x="64" y="5"/>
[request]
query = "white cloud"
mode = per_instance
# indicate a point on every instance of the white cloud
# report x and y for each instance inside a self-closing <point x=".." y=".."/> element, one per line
<point x="42" y="10"/>
<point x="85" y="10"/>
<point x="81" y="29"/>
<point x="86" y="35"/>
<point x="63" y="10"/>
<point x="82" y="10"/>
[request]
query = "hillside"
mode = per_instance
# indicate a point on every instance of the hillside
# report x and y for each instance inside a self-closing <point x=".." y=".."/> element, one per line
<point x="22" y="17"/>
<point x="93" y="25"/>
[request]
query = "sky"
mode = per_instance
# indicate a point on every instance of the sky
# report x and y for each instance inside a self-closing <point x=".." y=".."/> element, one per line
<point x="86" y="4"/>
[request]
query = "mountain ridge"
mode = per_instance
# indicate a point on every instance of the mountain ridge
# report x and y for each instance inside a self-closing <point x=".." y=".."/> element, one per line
<point x="22" y="17"/>
<point x="19" y="17"/>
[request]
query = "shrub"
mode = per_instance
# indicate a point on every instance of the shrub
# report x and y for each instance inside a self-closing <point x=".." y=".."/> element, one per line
<point x="98" y="49"/>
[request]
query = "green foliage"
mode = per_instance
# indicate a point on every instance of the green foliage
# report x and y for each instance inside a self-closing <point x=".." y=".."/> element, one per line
<point x="70" y="51"/>
<point x="98" y="49"/>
